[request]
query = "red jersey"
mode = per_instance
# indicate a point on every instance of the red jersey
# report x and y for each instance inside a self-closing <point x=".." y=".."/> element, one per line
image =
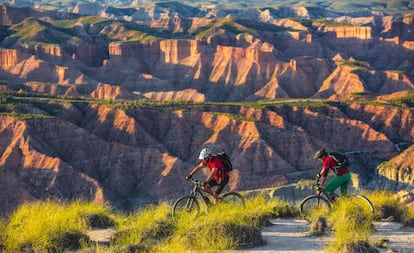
<point x="215" y="162"/>
<point x="330" y="163"/>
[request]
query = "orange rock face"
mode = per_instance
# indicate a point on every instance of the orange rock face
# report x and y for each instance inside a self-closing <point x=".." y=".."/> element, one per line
<point x="10" y="57"/>
<point x="125" y="157"/>
<point x="294" y="60"/>
<point x="363" y="33"/>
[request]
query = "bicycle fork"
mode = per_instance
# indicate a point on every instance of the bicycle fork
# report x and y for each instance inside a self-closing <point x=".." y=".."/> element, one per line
<point x="189" y="204"/>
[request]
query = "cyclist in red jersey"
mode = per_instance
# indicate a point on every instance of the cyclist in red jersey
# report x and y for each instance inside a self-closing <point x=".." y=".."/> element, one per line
<point x="217" y="177"/>
<point x="342" y="178"/>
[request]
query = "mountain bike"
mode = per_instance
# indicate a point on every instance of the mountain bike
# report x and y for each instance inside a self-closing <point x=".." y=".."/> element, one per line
<point x="189" y="205"/>
<point x="322" y="202"/>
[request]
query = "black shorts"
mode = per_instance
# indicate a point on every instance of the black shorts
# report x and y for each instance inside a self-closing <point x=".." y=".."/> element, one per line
<point x="220" y="186"/>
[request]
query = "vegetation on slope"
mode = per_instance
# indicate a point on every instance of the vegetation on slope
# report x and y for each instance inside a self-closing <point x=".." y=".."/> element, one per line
<point x="406" y="100"/>
<point x="20" y="105"/>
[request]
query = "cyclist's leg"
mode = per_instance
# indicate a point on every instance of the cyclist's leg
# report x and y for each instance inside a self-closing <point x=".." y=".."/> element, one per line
<point x="344" y="186"/>
<point x="221" y="185"/>
<point x="207" y="188"/>
<point x="337" y="182"/>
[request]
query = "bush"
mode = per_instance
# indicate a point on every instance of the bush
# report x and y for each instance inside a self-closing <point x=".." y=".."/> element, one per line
<point x="68" y="241"/>
<point x="223" y="236"/>
<point x="409" y="218"/>
<point x="387" y="206"/>
<point x="2" y="235"/>
<point x="225" y="227"/>
<point x="351" y="224"/>
<point x="357" y="247"/>
<point x="262" y="209"/>
<point x="145" y="228"/>
<point x="50" y="225"/>
<point x="319" y="227"/>
<point x="99" y="221"/>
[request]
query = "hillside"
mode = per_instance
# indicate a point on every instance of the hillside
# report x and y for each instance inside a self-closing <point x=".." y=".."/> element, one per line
<point x="132" y="152"/>
<point x="208" y="58"/>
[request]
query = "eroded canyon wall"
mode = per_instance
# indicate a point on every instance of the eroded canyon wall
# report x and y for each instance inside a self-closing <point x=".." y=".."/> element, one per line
<point x="131" y="156"/>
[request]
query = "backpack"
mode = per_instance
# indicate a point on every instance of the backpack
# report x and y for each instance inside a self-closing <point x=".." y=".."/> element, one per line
<point x="341" y="159"/>
<point x="225" y="159"/>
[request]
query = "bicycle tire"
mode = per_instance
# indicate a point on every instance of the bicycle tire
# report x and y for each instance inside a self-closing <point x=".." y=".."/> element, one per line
<point x="233" y="198"/>
<point x="365" y="203"/>
<point x="312" y="204"/>
<point x="186" y="205"/>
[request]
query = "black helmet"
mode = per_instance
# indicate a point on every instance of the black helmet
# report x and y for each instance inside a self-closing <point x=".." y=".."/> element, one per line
<point x="321" y="153"/>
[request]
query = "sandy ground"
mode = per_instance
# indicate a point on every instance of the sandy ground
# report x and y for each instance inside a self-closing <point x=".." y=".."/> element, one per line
<point x="101" y="235"/>
<point x="291" y="236"/>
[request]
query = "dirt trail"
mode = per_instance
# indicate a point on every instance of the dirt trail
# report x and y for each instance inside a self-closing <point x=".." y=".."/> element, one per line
<point x="290" y="235"/>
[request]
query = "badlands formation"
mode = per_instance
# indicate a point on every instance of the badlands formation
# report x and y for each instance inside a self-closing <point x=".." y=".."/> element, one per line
<point x="116" y="107"/>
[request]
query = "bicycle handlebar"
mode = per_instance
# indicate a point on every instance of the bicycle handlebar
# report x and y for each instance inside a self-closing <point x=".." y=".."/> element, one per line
<point x="196" y="182"/>
<point x="317" y="186"/>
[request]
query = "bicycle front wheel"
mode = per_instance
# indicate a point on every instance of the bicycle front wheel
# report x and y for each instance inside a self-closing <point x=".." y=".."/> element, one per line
<point x="233" y="198"/>
<point x="314" y="205"/>
<point x="365" y="203"/>
<point x="186" y="205"/>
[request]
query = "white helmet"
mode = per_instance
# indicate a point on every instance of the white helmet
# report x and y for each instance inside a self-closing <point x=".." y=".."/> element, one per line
<point x="205" y="152"/>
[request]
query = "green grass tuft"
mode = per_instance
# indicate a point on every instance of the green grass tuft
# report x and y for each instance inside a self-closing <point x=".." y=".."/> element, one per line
<point x="350" y="222"/>
<point x="152" y="222"/>
<point x="387" y="206"/>
<point x="43" y="225"/>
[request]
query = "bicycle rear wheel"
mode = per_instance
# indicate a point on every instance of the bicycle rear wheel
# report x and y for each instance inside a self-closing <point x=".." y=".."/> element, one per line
<point x="233" y="198"/>
<point x="312" y="205"/>
<point x="186" y="205"/>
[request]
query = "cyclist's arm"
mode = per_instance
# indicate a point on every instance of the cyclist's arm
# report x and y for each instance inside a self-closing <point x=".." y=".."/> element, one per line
<point x="324" y="172"/>
<point x="211" y="175"/>
<point x="323" y="180"/>
<point x="196" y="169"/>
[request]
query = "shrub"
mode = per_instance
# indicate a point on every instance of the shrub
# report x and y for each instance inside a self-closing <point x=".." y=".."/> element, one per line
<point x="351" y="224"/>
<point x="222" y="236"/>
<point x="409" y="218"/>
<point x="2" y="235"/>
<point x="272" y="208"/>
<point x="318" y="227"/>
<point x="46" y="225"/>
<point x="144" y="228"/>
<point x="357" y="247"/>
<point x="387" y="206"/>
<point x="99" y="220"/>
<point x="225" y="227"/>
<point x="67" y="241"/>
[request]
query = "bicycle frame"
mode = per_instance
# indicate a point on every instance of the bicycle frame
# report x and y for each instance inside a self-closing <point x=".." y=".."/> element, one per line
<point x="198" y="191"/>
<point x="322" y="192"/>
<point x="322" y="198"/>
<point x="190" y="205"/>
